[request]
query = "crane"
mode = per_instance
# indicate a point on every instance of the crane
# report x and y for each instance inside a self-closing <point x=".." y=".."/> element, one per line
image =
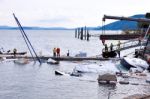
<point x="126" y="18"/>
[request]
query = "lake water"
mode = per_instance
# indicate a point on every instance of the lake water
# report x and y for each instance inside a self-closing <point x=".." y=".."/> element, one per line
<point x="35" y="81"/>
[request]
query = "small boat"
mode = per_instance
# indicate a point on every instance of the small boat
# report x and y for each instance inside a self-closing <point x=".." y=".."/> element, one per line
<point x="18" y="53"/>
<point x="51" y="61"/>
<point x="57" y="72"/>
<point x="134" y="62"/>
<point x="21" y="61"/>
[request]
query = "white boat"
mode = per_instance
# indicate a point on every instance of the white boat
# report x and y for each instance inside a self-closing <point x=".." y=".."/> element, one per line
<point x="51" y="61"/>
<point x="57" y="72"/>
<point x="134" y="62"/>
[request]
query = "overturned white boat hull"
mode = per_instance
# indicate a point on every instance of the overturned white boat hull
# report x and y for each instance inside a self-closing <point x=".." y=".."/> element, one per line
<point x="95" y="68"/>
<point x="134" y="62"/>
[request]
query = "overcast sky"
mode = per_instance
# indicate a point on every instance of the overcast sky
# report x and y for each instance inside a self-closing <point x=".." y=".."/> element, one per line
<point x="67" y="13"/>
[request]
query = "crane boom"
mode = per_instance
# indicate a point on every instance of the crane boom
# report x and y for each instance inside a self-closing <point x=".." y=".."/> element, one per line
<point x="126" y="18"/>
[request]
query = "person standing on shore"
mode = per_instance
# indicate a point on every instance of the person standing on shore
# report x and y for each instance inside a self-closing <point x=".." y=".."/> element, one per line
<point x="106" y="48"/>
<point x="111" y="47"/>
<point x="15" y="52"/>
<point x="58" y="52"/>
<point x="68" y="53"/>
<point x="54" y="52"/>
<point x="118" y="49"/>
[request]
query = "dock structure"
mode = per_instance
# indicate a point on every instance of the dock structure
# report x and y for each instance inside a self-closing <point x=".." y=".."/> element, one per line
<point x="123" y="36"/>
<point x="82" y="33"/>
<point x="65" y="58"/>
<point x="129" y="44"/>
<point x="120" y="36"/>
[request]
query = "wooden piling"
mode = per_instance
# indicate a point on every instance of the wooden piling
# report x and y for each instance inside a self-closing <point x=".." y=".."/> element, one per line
<point x="85" y="32"/>
<point x="88" y="35"/>
<point x="78" y="32"/>
<point x="81" y="37"/>
<point x="75" y="33"/>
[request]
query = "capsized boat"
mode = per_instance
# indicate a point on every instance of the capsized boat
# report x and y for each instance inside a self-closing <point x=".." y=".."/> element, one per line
<point x="21" y="61"/>
<point x="96" y="68"/>
<point x="134" y="62"/>
<point x="18" y="53"/>
<point x="57" y="72"/>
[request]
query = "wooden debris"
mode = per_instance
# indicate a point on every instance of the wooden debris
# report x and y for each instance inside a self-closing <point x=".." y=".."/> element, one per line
<point x="138" y="96"/>
<point x="107" y="79"/>
<point x="124" y="82"/>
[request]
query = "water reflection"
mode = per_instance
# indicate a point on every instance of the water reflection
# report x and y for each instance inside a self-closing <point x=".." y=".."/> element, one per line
<point x="106" y="90"/>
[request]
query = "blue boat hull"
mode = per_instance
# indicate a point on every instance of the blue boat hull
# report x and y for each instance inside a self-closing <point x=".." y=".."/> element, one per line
<point x="124" y="63"/>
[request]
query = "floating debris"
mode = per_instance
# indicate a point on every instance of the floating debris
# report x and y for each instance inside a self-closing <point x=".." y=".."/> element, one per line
<point x="124" y="82"/>
<point x="107" y="79"/>
<point x="138" y="96"/>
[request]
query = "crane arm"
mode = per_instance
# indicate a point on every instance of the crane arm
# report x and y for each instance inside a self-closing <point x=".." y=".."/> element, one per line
<point x="126" y="18"/>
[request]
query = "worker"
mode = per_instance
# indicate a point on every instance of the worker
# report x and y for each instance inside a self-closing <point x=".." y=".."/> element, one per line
<point x="119" y="43"/>
<point x="58" y="52"/>
<point x="68" y="53"/>
<point x="118" y="49"/>
<point x="140" y="40"/>
<point x="111" y="47"/>
<point x="54" y="52"/>
<point x="15" y="52"/>
<point x="106" y="48"/>
<point x="103" y="41"/>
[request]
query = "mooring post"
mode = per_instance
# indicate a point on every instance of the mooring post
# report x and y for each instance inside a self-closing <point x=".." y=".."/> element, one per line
<point x="88" y="35"/>
<point x="85" y="32"/>
<point x="81" y="34"/>
<point x="75" y="33"/>
<point x="78" y="33"/>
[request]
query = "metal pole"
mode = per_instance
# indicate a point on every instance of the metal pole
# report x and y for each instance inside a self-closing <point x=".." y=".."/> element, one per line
<point x="26" y="37"/>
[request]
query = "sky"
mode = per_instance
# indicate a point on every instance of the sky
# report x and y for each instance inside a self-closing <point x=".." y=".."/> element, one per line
<point x="67" y="13"/>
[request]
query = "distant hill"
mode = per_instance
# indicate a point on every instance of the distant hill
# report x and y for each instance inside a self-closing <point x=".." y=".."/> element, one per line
<point x="32" y="28"/>
<point x="122" y="25"/>
<point x="117" y="25"/>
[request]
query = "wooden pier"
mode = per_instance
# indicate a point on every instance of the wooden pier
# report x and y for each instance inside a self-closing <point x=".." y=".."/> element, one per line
<point x="65" y="58"/>
<point x="119" y="36"/>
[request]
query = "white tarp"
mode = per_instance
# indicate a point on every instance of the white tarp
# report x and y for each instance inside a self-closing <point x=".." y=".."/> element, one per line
<point x="95" y="68"/>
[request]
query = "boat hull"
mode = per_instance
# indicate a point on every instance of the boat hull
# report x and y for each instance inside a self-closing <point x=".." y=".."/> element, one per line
<point x="125" y="64"/>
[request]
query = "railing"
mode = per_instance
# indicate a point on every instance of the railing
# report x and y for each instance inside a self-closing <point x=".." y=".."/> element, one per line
<point x="126" y="45"/>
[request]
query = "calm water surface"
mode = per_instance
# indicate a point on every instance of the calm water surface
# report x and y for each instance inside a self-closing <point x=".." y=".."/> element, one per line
<point x="34" y="81"/>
